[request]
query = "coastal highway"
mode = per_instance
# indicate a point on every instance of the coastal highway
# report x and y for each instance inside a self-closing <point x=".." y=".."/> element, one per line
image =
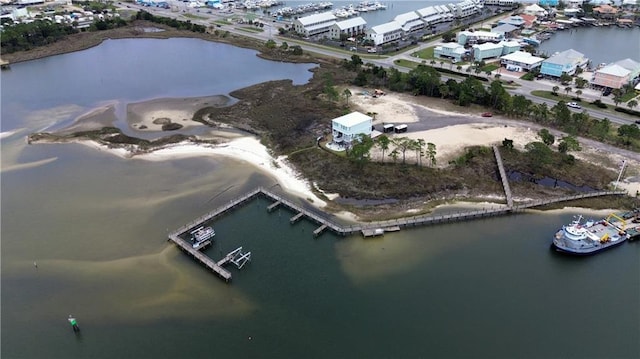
<point x="207" y="17"/>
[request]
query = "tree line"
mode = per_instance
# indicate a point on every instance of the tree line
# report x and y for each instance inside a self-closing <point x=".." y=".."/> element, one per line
<point x="425" y="80"/>
<point x="394" y="147"/>
<point x="176" y="24"/>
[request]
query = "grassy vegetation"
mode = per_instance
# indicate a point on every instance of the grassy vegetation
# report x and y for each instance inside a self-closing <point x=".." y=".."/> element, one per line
<point x="489" y="67"/>
<point x="406" y="63"/>
<point x="222" y="22"/>
<point x="249" y="29"/>
<point x="628" y="96"/>
<point x="424" y="53"/>
<point x="195" y="17"/>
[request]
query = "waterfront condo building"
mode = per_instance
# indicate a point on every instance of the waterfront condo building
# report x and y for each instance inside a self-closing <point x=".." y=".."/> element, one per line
<point x="617" y="74"/>
<point x="385" y="33"/>
<point x="350" y="28"/>
<point x="315" y="24"/>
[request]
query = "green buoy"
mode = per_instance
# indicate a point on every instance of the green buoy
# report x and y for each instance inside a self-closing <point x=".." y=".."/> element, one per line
<point x="74" y="323"/>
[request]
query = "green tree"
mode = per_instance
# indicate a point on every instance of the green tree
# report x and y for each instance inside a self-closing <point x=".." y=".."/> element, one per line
<point x="565" y="78"/>
<point x="507" y="143"/>
<point x="383" y="143"/>
<point x="554" y="90"/>
<point x="567" y="90"/>
<point x="578" y="93"/>
<point x="539" y="154"/>
<point x="569" y="143"/>
<point x="431" y="153"/>
<point x="628" y="132"/>
<point x="360" y="149"/>
<point x="284" y="46"/>
<point x="546" y="137"/>
<point x="270" y="44"/>
<point x="402" y="145"/>
<point x="346" y="93"/>
<point x="631" y="104"/>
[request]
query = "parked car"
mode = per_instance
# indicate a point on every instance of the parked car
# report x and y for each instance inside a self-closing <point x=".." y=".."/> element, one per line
<point x="353" y="48"/>
<point x="573" y="105"/>
<point x="606" y="92"/>
<point x="487" y="114"/>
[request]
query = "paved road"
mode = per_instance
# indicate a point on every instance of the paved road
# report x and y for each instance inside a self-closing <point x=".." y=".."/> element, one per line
<point x="206" y="17"/>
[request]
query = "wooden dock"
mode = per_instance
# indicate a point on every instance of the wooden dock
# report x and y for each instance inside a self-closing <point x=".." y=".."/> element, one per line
<point x="503" y="176"/>
<point x="207" y="261"/>
<point x="366" y="229"/>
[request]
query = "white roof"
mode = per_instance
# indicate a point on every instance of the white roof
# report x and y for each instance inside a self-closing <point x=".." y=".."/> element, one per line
<point x="406" y="17"/>
<point x="427" y="11"/>
<point x="615" y="70"/>
<point x="386" y="27"/>
<point x="628" y="64"/>
<point x="352" y="119"/>
<point x="487" y="46"/>
<point x="534" y="8"/>
<point x="451" y="45"/>
<point x="522" y="57"/>
<point x="510" y="43"/>
<point x="350" y="23"/>
<point x="311" y="19"/>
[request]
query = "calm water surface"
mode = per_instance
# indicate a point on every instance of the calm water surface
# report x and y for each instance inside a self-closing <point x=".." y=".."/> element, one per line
<point x="599" y="44"/>
<point x="97" y="224"/>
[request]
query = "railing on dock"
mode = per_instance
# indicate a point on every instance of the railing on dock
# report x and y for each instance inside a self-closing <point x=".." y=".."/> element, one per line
<point x="366" y="229"/>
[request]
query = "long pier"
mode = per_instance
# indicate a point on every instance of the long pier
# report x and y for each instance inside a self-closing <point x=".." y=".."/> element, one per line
<point x="503" y="176"/>
<point x="369" y="229"/>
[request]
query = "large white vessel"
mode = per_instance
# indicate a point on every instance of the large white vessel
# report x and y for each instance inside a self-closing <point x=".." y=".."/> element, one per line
<point x="589" y="237"/>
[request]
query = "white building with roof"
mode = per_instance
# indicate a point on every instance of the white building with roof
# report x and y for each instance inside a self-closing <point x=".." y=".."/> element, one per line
<point x="314" y="24"/>
<point x="535" y="10"/>
<point x="450" y="51"/>
<point x="500" y="2"/>
<point x="348" y="127"/>
<point x="435" y="14"/>
<point x="385" y="33"/>
<point x="463" y="9"/>
<point x="350" y="27"/>
<point x="521" y="61"/>
<point x="474" y="37"/>
<point x="410" y="21"/>
<point x="632" y="66"/>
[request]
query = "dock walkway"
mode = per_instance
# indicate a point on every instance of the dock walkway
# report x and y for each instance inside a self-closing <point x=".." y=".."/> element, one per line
<point x="369" y="229"/>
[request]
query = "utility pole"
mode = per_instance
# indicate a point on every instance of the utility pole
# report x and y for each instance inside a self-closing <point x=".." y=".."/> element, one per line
<point x="624" y="163"/>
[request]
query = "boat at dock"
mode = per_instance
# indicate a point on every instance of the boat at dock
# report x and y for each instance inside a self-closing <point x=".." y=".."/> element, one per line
<point x="201" y="237"/>
<point x="590" y="237"/>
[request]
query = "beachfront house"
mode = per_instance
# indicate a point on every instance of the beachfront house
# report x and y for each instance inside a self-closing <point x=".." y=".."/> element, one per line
<point x="316" y="24"/>
<point x="617" y="74"/>
<point x="450" y="51"/>
<point x="535" y="10"/>
<point x="347" y="128"/>
<point x="605" y="12"/>
<point x="567" y="62"/>
<point x="477" y="37"/>
<point x="486" y="51"/>
<point x="349" y="28"/>
<point x="521" y="61"/>
<point x="507" y="30"/>
<point x="385" y="33"/>
<point x="463" y="9"/>
<point x="612" y="76"/>
<point x="513" y="20"/>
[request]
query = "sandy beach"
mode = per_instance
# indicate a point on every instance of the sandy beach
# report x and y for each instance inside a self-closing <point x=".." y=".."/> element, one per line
<point x="152" y="115"/>
<point x="451" y="132"/>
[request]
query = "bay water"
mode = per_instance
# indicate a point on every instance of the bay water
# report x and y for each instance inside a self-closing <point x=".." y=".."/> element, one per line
<point x="96" y="227"/>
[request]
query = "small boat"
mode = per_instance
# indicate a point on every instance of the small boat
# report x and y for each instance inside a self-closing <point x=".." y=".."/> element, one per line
<point x="201" y="237"/>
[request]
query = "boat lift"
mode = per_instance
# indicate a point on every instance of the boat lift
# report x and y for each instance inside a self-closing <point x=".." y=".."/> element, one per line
<point x="238" y="258"/>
